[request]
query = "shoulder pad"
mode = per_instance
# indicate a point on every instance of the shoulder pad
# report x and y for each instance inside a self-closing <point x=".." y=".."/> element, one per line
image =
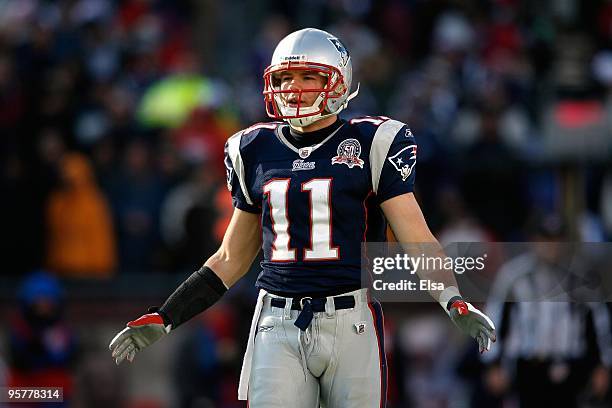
<point x="259" y="128"/>
<point x="383" y="137"/>
<point x="245" y="138"/>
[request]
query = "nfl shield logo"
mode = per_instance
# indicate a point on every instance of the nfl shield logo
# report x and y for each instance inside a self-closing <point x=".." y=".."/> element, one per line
<point x="304" y="152"/>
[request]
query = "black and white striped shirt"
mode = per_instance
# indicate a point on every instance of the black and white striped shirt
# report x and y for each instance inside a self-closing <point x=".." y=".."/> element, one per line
<point x="536" y="319"/>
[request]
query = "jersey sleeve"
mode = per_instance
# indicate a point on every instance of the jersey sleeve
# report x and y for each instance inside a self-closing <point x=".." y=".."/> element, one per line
<point x="236" y="177"/>
<point x="393" y="160"/>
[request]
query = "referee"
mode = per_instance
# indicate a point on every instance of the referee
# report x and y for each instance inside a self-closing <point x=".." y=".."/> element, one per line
<point x="550" y="346"/>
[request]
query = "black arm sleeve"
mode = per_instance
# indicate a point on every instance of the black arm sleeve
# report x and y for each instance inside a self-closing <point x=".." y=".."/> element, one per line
<point x="196" y="294"/>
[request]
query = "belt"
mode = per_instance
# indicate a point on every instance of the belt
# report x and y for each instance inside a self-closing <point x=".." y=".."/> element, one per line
<point x="309" y="306"/>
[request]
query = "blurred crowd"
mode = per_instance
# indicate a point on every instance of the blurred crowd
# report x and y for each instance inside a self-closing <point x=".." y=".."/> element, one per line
<point x="113" y="116"/>
<point x="117" y="112"/>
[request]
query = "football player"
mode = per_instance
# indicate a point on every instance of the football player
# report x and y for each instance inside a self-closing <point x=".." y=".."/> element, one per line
<point x="309" y="189"/>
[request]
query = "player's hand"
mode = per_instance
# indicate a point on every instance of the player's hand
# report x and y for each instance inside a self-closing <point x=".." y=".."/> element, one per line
<point x="138" y="334"/>
<point x="474" y="323"/>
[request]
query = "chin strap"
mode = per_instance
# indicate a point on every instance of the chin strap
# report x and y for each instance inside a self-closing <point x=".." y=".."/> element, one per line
<point x="351" y="96"/>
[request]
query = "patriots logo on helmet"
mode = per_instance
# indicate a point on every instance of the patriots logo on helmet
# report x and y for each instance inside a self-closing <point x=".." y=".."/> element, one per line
<point x="404" y="161"/>
<point x="344" y="55"/>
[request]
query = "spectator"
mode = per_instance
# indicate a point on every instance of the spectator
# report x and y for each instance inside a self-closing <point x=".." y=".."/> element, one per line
<point x="459" y="225"/>
<point x="208" y="361"/>
<point x="80" y="234"/>
<point x="42" y="348"/>
<point x="136" y="196"/>
<point x="188" y="215"/>
<point x="493" y="181"/>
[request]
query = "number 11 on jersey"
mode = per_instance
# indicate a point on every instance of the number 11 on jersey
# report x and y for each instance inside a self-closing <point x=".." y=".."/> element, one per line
<point x="319" y="191"/>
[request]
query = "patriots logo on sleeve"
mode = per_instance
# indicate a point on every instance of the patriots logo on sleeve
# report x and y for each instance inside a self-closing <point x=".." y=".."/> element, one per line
<point x="229" y="172"/>
<point x="404" y="161"/>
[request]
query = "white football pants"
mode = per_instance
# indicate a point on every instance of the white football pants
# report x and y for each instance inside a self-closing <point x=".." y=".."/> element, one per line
<point x="338" y="362"/>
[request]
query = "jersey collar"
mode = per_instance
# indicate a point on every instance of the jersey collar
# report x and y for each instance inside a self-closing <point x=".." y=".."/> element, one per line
<point x="306" y="150"/>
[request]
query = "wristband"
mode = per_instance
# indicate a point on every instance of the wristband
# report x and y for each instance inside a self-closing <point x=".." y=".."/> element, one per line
<point x="451" y="293"/>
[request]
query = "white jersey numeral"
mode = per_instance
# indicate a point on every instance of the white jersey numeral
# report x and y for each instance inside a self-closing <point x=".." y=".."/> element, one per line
<point x="320" y="220"/>
<point x="277" y="198"/>
<point x="375" y="120"/>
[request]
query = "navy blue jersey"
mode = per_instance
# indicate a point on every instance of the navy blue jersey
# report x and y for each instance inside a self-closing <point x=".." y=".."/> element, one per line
<point x="319" y="203"/>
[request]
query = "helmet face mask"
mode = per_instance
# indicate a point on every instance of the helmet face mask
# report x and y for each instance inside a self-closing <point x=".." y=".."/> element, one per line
<point x="318" y="52"/>
<point x="276" y="98"/>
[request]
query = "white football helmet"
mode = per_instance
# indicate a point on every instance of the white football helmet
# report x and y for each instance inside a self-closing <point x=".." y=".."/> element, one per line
<point x="314" y="50"/>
